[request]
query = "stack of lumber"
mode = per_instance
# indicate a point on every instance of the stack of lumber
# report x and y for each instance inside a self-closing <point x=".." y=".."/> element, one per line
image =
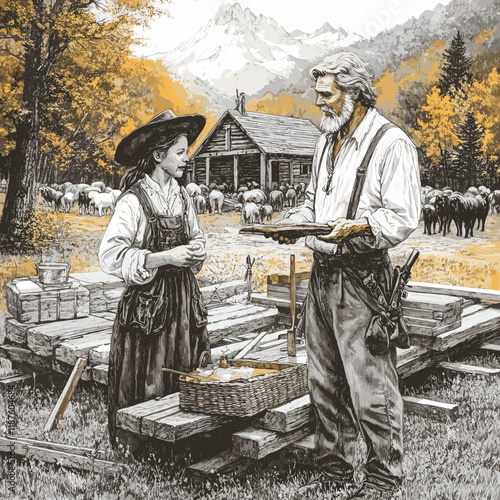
<point x="429" y="315"/>
<point x="47" y="342"/>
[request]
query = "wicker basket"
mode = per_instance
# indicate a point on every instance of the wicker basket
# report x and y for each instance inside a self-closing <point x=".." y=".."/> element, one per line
<point x="244" y="399"/>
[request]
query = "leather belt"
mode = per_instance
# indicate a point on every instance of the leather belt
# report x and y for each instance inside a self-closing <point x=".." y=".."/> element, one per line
<point x="365" y="260"/>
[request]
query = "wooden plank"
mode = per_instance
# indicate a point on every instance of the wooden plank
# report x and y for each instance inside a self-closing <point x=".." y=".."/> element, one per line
<point x="73" y="461"/>
<point x="22" y="445"/>
<point x="455" y="291"/>
<point x="64" y="399"/>
<point x="16" y="332"/>
<point x="99" y="355"/>
<point x="245" y="324"/>
<point x="468" y="369"/>
<point x="287" y="417"/>
<point x="251" y="345"/>
<point x="181" y="425"/>
<point x="229" y="350"/>
<point x="70" y="350"/>
<point x="223" y="291"/>
<point x="15" y="380"/>
<point x="474" y="326"/>
<point x="234" y="312"/>
<point x="266" y="300"/>
<point x="256" y="443"/>
<point x="490" y="348"/>
<point x="225" y="462"/>
<point x="42" y="339"/>
<point x="24" y="356"/>
<point x="433" y="332"/>
<point x="130" y="419"/>
<point x="65" y="369"/>
<point x="100" y="374"/>
<point x="427" y="407"/>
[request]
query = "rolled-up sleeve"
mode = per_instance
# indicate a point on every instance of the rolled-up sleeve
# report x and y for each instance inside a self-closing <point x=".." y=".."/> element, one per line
<point x="119" y="253"/>
<point x="401" y="202"/>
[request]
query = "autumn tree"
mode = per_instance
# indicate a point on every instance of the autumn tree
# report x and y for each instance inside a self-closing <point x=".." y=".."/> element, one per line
<point x="37" y="34"/>
<point x="455" y="71"/>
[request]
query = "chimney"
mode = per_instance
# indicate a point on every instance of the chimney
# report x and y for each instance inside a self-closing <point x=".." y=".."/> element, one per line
<point x="240" y="103"/>
<point x="237" y="101"/>
<point x="243" y="110"/>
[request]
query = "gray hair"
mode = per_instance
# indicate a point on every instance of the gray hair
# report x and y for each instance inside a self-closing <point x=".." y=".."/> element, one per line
<point x="352" y="75"/>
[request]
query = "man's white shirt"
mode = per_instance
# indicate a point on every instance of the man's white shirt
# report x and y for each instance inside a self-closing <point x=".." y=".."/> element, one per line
<point x="390" y="198"/>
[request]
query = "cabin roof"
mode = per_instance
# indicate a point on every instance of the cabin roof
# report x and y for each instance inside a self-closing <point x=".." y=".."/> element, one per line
<point x="273" y="133"/>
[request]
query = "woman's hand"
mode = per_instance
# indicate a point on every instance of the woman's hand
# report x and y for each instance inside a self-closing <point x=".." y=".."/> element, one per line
<point x="181" y="256"/>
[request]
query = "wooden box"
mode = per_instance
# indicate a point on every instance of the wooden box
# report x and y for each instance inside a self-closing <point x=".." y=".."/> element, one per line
<point x="28" y="302"/>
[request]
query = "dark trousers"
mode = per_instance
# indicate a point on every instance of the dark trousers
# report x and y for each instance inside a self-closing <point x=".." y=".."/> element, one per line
<point x="351" y="389"/>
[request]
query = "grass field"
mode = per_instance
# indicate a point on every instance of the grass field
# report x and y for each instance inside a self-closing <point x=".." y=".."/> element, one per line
<point x="443" y="460"/>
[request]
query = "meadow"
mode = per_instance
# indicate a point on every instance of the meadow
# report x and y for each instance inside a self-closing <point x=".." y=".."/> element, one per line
<point x="456" y="460"/>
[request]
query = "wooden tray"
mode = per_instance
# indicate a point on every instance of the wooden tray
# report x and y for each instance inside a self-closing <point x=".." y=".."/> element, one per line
<point x="293" y="231"/>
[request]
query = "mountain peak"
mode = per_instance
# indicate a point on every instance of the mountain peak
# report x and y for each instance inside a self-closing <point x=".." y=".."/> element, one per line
<point x="228" y="12"/>
<point x="326" y="28"/>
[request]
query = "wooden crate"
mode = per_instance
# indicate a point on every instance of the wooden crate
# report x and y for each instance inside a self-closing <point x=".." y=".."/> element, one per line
<point x="28" y="302"/>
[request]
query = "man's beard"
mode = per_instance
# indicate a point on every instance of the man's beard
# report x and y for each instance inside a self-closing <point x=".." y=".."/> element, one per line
<point x="333" y="122"/>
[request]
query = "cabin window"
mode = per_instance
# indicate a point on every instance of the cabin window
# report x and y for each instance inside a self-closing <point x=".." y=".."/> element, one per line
<point x="227" y="129"/>
<point x="305" y="168"/>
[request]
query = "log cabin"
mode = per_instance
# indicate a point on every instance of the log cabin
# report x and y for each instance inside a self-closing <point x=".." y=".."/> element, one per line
<point x="247" y="146"/>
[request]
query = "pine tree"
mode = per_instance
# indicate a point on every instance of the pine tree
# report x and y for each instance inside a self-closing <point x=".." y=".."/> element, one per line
<point x="455" y="71"/>
<point x="468" y="158"/>
<point x="446" y="167"/>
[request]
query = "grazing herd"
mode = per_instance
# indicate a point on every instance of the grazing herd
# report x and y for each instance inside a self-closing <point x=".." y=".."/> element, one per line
<point x="256" y="206"/>
<point x="88" y="198"/>
<point x="442" y="207"/>
<point x="467" y="211"/>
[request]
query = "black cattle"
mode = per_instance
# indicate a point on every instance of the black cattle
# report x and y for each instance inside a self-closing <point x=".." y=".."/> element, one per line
<point x="84" y="202"/>
<point x="51" y="195"/>
<point x="483" y="210"/>
<point x="463" y="212"/>
<point x="442" y="204"/>
<point x="430" y="219"/>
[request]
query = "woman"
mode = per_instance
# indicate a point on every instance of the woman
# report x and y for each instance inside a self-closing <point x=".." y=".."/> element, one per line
<point x="153" y="242"/>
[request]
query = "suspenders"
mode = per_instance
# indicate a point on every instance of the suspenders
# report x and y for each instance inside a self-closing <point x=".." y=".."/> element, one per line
<point x="361" y="172"/>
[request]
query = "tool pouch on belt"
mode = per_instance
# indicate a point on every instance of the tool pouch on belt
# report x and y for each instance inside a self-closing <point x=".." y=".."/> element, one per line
<point x="386" y="331"/>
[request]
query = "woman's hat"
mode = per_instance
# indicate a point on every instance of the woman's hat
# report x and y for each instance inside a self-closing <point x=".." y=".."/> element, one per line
<point x="133" y="146"/>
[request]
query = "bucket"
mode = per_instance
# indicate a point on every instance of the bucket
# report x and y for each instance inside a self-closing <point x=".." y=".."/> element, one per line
<point x="52" y="273"/>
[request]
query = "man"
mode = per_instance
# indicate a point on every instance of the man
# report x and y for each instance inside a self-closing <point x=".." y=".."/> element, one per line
<point x="352" y="370"/>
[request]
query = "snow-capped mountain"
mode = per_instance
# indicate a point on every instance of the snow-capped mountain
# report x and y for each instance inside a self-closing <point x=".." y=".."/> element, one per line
<point x="253" y="53"/>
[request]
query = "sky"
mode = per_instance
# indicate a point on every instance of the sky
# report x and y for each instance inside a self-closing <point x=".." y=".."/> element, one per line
<point x="365" y="17"/>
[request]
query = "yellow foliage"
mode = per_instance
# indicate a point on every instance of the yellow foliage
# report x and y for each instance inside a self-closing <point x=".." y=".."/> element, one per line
<point x="285" y="104"/>
<point x="486" y="35"/>
<point x="437" y="131"/>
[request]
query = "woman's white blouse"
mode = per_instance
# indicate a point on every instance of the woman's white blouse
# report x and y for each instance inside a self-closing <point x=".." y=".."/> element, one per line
<point x="121" y="252"/>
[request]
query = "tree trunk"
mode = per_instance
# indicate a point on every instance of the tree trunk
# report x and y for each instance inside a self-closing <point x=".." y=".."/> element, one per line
<point x="20" y="200"/>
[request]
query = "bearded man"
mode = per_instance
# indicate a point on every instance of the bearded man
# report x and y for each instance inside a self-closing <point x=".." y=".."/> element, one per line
<point x="365" y="184"/>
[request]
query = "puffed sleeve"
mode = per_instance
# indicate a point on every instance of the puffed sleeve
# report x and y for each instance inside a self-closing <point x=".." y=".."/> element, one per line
<point x="400" y="198"/>
<point x="119" y="253"/>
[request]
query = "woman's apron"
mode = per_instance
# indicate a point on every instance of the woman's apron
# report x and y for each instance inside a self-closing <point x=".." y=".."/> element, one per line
<point x="158" y="324"/>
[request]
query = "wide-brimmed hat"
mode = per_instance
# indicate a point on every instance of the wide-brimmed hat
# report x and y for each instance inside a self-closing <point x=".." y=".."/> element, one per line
<point x="133" y="146"/>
